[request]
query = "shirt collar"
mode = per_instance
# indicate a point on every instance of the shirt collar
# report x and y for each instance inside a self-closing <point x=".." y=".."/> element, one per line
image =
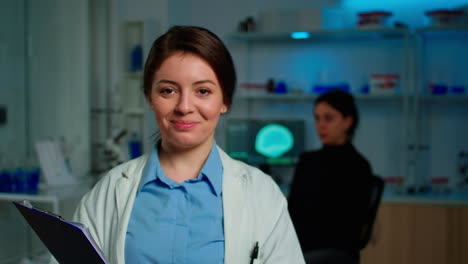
<point x="212" y="171"/>
<point x="152" y="168"/>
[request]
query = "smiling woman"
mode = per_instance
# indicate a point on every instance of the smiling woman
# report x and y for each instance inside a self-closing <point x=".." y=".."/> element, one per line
<point x="187" y="101"/>
<point x="188" y="201"/>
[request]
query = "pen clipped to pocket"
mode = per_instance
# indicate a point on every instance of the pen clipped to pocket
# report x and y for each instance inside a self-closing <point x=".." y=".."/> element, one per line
<point x="254" y="254"/>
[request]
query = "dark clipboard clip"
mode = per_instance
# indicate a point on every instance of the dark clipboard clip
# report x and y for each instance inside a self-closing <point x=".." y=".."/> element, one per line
<point x="254" y="254"/>
<point x="29" y="205"/>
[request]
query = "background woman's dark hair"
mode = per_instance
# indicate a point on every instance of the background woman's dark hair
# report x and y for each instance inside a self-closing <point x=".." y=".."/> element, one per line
<point x="344" y="103"/>
<point x="200" y="42"/>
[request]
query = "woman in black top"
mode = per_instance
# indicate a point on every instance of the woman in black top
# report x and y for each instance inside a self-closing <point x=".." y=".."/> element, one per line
<point x="330" y="190"/>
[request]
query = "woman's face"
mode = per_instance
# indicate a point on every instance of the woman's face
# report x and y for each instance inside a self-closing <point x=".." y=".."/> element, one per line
<point x="331" y="125"/>
<point x="187" y="101"/>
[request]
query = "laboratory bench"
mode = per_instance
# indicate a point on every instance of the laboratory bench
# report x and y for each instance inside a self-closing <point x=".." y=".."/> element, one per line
<point x="420" y="228"/>
<point x="17" y="240"/>
<point x="448" y="199"/>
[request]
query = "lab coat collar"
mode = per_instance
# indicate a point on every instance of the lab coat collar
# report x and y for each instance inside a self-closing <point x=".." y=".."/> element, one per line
<point x="130" y="176"/>
<point x="234" y="206"/>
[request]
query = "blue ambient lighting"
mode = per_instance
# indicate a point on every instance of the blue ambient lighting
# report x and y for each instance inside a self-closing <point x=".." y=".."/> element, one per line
<point x="300" y="35"/>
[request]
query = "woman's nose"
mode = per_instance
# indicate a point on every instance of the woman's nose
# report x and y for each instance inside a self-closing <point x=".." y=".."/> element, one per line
<point x="185" y="104"/>
<point x="319" y="124"/>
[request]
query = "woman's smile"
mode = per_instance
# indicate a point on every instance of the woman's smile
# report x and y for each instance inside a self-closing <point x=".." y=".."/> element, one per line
<point x="184" y="125"/>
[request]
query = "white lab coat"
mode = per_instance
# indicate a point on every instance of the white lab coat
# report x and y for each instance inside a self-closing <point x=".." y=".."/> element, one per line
<point x="254" y="210"/>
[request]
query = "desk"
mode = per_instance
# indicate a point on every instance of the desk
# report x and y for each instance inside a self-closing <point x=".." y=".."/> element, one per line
<point x="33" y="198"/>
<point x="449" y="199"/>
<point x="420" y="229"/>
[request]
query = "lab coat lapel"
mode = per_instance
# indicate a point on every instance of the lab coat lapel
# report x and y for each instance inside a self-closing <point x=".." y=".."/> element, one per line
<point x="121" y="192"/>
<point x="126" y="187"/>
<point x="125" y="193"/>
<point x="235" y="210"/>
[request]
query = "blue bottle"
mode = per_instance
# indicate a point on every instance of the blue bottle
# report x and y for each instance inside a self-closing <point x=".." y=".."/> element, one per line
<point x="135" y="146"/>
<point x="136" y="59"/>
<point x="5" y="181"/>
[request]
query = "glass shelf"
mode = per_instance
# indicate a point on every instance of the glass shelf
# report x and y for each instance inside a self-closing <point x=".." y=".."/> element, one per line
<point x="134" y="111"/>
<point x="98" y="110"/>
<point x="276" y="97"/>
<point x="443" y="29"/>
<point x="134" y="75"/>
<point x="348" y="34"/>
<point x="311" y="97"/>
<point x="122" y="110"/>
<point x="452" y="33"/>
<point x="447" y="98"/>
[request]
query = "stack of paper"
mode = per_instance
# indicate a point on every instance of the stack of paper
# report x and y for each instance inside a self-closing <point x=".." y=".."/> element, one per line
<point x="53" y="163"/>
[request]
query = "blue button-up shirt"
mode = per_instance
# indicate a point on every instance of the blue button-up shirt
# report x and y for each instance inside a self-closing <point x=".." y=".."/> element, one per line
<point x="175" y="222"/>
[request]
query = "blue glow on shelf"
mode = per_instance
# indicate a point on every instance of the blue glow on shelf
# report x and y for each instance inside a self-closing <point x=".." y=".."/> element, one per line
<point x="409" y="12"/>
<point x="300" y="35"/>
<point x="403" y="3"/>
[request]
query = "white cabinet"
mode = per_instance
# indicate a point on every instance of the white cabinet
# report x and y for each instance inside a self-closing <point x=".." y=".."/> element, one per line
<point x="331" y="57"/>
<point x="441" y="106"/>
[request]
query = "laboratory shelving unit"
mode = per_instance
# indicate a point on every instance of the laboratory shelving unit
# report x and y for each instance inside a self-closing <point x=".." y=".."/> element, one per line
<point x="440" y="55"/>
<point x="134" y="33"/>
<point x="299" y="105"/>
<point x="134" y="107"/>
<point x="124" y="107"/>
<point x="425" y="116"/>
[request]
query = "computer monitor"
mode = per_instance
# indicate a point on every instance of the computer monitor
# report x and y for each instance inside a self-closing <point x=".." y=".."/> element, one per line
<point x="274" y="141"/>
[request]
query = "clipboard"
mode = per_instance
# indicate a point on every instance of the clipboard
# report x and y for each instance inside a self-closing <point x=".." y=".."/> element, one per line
<point x="69" y="242"/>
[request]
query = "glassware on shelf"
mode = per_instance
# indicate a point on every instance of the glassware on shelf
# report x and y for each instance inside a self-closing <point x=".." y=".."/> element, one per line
<point x="395" y="184"/>
<point x="136" y="58"/>
<point x="462" y="170"/>
<point x="445" y="17"/>
<point x="19" y="177"/>
<point x="135" y="146"/>
<point x="440" y="185"/>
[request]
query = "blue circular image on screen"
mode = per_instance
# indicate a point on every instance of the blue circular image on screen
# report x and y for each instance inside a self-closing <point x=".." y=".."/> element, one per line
<point x="274" y="140"/>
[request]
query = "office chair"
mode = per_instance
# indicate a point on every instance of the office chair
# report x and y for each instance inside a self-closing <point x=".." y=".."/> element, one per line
<point x="377" y="187"/>
<point x="337" y="256"/>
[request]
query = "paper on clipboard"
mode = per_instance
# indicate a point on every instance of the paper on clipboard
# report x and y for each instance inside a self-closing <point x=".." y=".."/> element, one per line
<point x="69" y="242"/>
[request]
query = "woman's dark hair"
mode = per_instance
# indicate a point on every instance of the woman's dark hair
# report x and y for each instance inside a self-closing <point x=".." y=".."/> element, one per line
<point x="344" y="103"/>
<point x="200" y="42"/>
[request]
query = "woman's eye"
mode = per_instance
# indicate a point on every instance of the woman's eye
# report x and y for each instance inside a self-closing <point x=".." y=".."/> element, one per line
<point x="166" y="91"/>
<point x="204" y="91"/>
<point x="328" y="118"/>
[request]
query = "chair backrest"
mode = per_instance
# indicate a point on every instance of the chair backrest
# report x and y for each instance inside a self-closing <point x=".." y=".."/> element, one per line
<point x="377" y="187"/>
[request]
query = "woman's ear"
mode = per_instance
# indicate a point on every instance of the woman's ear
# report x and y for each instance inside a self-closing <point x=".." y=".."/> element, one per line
<point x="349" y="120"/>
<point x="151" y="104"/>
<point x="224" y="109"/>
